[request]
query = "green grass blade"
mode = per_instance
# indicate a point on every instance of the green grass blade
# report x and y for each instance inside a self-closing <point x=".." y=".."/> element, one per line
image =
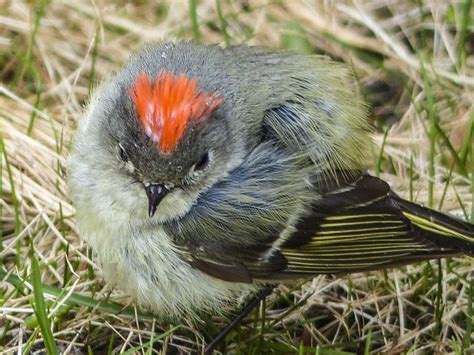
<point x="368" y="343"/>
<point x="76" y="299"/>
<point x="31" y="124"/>
<point x="95" y="53"/>
<point x="433" y="131"/>
<point x="466" y="146"/>
<point x="378" y="166"/>
<point x="194" y="19"/>
<point x="136" y="349"/>
<point x="472" y="186"/>
<point x="410" y="179"/>
<point x="40" y="307"/>
<point x="466" y="17"/>
<point x="457" y="160"/>
<point x="439" y="307"/>
<point x="16" y="206"/>
<point x="466" y="343"/>
<point x="223" y="22"/>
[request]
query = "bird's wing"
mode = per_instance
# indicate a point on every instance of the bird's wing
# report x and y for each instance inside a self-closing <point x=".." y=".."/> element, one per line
<point x="360" y="225"/>
<point x="231" y="228"/>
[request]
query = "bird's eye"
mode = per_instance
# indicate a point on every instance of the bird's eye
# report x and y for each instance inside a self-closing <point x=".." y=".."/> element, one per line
<point x="123" y="153"/>
<point x="202" y="163"/>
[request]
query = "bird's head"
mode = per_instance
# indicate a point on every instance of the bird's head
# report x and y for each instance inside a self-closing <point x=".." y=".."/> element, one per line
<point x="158" y="138"/>
<point x="176" y="140"/>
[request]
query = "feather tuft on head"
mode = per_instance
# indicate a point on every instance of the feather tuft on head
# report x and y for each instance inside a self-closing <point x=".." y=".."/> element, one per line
<point x="166" y="106"/>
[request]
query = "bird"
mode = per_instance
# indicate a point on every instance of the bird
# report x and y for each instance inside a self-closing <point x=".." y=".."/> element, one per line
<point x="201" y="173"/>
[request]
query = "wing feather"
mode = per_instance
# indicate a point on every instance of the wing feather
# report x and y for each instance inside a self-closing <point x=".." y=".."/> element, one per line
<point x="355" y="224"/>
<point x="357" y="227"/>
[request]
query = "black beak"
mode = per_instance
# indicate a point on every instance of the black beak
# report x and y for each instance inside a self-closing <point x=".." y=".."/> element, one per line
<point x="155" y="194"/>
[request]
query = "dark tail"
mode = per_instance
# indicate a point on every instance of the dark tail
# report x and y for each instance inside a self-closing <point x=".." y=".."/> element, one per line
<point x="361" y="225"/>
<point x="443" y="230"/>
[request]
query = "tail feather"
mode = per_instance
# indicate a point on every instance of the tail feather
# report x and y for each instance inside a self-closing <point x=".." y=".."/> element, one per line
<point x="362" y="225"/>
<point x="441" y="229"/>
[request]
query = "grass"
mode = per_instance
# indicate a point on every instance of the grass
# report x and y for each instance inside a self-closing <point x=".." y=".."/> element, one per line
<point x="414" y="63"/>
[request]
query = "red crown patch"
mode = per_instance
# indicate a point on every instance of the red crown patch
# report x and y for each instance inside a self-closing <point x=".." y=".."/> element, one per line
<point x="166" y="106"/>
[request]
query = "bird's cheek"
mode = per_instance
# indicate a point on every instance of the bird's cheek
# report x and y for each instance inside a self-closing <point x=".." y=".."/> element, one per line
<point x="130" y="199"/>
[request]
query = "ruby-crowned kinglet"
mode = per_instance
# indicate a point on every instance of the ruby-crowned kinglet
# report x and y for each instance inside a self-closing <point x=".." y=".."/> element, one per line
<point x="199" y="173"/>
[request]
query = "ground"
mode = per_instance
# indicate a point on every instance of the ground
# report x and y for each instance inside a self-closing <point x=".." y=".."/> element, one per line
<point x="414" y="65"/>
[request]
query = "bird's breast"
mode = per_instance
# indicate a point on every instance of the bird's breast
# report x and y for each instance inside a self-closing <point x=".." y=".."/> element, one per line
<point x="146" y="264"/>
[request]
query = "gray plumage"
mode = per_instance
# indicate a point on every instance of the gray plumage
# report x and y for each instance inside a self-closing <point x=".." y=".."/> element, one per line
<point x="282" y="155"/>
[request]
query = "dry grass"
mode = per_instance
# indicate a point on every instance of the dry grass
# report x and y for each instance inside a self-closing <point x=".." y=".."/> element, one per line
<point x="415" y="65"/>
